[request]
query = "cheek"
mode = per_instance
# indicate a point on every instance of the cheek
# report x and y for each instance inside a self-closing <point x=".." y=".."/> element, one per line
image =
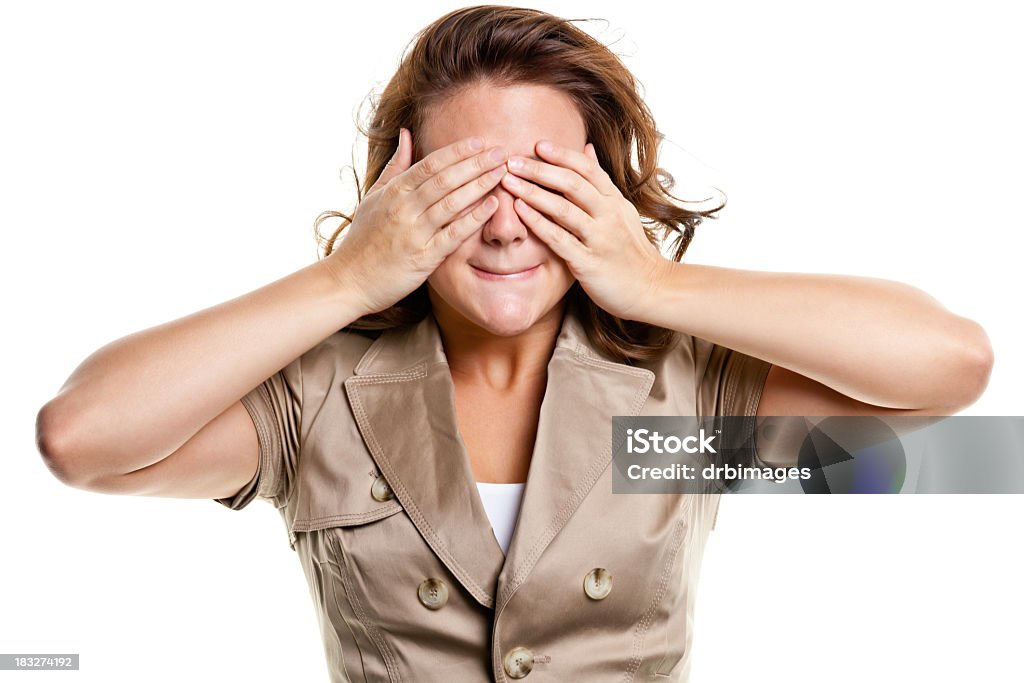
<point x="557" y="262"/>
<point x="450" y="270"/>
<point x="472" y="249"/>
<point x="442" y="273"/>
<point x="564" y="275"/>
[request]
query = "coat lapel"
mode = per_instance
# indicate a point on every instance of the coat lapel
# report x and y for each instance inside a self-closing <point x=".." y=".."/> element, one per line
<point x="585" y="388"/>
<point x="403" y="400"/>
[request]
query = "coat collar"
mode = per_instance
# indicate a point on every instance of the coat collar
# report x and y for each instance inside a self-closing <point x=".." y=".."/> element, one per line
<point x="403" y="400"/>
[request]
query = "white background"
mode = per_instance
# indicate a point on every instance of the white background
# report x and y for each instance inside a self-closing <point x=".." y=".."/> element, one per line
<point x="161" y="158"/>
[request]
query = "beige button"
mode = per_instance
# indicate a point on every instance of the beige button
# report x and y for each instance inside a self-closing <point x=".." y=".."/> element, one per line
<point x="518" y="662"/>
<point x="433" y="593"/>
<point x="597" y="584"/>
<point x="380" y="489"/>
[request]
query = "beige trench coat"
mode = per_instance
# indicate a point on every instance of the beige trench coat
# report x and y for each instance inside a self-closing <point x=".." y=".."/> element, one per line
<point x="360" y="452"/>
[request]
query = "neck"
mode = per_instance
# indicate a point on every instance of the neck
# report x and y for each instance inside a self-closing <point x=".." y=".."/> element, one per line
<point x="480" y="357"/>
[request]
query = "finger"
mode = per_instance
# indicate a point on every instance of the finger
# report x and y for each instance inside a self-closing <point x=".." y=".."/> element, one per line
<point x="559" y="240"/>
<point x="438" y="160"/>
<point x="455" y="201"/>
<point x="567" y="181"/>
<point x="398" y="162"/>
<point x="586" y="166"/>
<point x="565" y="213"/>
<point x="448" y="239"/>
<point x="441" y="186"/>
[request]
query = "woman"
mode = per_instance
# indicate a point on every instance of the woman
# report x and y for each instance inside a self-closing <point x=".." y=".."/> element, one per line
<point x="493" y="303"/>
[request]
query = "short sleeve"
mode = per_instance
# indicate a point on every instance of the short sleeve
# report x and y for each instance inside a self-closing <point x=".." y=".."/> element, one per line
<point x="728" y="382"/>
<point x="275" y="407"/>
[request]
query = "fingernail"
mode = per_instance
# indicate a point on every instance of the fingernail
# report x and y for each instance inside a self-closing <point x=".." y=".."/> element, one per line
<point x="498" y="171"/>
<point x="515" y="163"/>
<point x="497" y="154"/>
<point x="476" y="144"/>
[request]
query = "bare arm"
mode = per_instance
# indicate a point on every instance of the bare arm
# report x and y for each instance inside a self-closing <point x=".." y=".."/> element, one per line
<point x="140" y="398"/>
<point x="843" y="344"/>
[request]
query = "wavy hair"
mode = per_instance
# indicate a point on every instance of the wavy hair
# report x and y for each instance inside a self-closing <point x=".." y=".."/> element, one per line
<point x="504" y="46"/>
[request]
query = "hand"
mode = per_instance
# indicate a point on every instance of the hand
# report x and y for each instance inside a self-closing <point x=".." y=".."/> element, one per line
<point x="592" y="227"/>
<point x="414" y="217"/>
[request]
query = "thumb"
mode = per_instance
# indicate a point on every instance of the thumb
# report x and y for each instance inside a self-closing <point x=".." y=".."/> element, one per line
<point x="399" y="162"/>
<point x="589" y="151"/>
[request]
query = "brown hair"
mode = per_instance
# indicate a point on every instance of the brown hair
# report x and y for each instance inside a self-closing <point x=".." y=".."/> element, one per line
<point x="514" y="45"/>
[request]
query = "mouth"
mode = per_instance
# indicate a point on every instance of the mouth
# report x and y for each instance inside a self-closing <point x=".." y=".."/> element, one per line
<point x="518" y="274"/>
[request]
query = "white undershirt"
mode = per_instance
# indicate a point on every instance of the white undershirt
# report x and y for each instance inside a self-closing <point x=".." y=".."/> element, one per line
<point x="501" y="501"/>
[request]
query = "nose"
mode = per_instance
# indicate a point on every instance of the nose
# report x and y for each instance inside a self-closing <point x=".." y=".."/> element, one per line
<point x="504" y="226"/>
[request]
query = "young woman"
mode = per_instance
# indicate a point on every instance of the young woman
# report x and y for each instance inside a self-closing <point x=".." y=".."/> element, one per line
<point x="429" y="406"/>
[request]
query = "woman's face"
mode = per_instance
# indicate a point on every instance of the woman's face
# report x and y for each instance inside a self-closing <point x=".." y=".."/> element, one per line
<point x="516" y="118"/>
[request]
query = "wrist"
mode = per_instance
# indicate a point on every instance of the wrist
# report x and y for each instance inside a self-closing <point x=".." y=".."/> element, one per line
<point x="671" y="294"/>
<point x="341" y="287"/>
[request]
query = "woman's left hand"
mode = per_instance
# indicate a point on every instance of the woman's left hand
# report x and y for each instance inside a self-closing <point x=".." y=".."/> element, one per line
<point x="592" y="227"/>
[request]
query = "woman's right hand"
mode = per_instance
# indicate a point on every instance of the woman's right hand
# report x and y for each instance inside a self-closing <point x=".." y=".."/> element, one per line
<point x="413" y="217"/>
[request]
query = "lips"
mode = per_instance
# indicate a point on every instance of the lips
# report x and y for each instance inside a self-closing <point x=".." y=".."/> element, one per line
<point x="504" y="271"/>
<point x="505" y="274"/>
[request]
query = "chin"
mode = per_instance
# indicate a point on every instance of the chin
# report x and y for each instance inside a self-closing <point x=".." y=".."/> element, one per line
<point x="501" y="316"/>
<point x="508" y="324"/>
<point x="503" y="319"/>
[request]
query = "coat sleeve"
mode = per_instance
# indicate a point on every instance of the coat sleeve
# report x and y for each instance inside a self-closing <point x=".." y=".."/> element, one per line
<point x="728" y="383"/>
<point x="275" y="407"/>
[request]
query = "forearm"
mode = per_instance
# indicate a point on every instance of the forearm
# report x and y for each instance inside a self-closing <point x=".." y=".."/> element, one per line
<point x="139" y="398"/>
<point x="878" y="341"/>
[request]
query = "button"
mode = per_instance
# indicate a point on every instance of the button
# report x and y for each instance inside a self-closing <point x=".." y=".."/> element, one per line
<point x="380" y="489"/>
<point x="433" y="593"/>
<point x="597" y="584"/>
<point x="518" y="662"/>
